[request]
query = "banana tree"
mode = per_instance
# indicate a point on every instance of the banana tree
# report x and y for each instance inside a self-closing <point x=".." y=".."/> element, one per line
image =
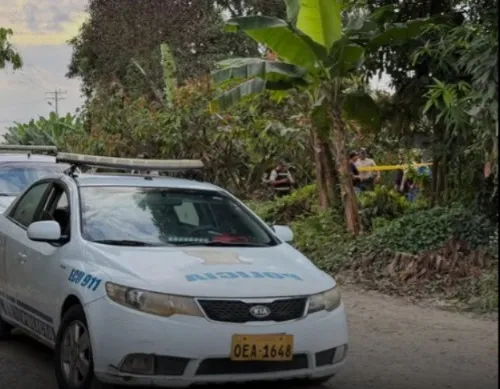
<point x="53" y="131"/>
<point x="320" y="46"/>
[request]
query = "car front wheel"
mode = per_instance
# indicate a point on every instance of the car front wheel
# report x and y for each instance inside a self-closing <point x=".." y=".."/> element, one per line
<point x="74" y="365"/>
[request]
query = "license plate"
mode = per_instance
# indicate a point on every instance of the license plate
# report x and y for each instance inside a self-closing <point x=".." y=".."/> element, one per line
<point x="262" y="347"/>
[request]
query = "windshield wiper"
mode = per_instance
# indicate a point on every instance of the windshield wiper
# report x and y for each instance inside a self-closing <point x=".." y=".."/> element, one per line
<point x="125" y="242"/>
<point x="222" y="244"/>
<point x="8" y="195"/>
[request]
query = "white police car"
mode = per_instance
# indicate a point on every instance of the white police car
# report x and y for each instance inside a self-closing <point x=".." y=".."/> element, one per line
<point x="140" y="280"/>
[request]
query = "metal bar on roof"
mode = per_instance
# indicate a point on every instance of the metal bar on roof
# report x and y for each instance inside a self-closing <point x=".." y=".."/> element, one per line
<point x="129" y="163"/>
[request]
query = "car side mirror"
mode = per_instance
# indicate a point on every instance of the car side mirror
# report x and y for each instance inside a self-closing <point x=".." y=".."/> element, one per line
<point x="44" y="231"/>
<point x="285" y="233"/>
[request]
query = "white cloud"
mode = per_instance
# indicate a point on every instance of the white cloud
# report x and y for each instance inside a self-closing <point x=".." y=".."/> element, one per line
<point x="42" y="21"/>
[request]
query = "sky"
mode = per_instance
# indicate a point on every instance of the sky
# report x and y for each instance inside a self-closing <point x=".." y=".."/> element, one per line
<point x="41" y="31"/>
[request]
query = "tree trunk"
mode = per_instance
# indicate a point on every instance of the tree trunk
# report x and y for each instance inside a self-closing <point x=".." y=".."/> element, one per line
<point x="331" y="176"/>
<point x="345" y="181"/>
<point x="320" y="172"/>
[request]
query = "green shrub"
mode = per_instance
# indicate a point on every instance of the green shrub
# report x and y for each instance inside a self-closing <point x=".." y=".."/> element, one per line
<point x="284" y="210"/>
<point x="481" y="294"/>
<point x="429" y="229"/>
<point x="384" y="204"/>
<point x="320" y="236"/>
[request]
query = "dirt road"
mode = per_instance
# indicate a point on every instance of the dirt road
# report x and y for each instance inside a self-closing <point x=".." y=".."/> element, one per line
<point x="394" y="345"/>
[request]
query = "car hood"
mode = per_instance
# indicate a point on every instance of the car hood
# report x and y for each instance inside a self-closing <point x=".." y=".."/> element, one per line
<point x="212" y="272"/>
<point x="5" y="202"/>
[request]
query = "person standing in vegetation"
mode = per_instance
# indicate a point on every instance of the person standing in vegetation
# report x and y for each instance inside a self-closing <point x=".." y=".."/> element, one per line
<point x="370" y="178"/>
<point x="403" y="184"/>
<point x="281" y="179"/>
<point x="353" y="157"/>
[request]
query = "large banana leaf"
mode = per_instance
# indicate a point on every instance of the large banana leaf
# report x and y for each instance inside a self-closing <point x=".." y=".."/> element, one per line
<point x="249" y="89"/>
<point x="345" y="57"/>
<point x="320" y="20"/>
<point x="292" y="10"/>
<point x="235" y="95"/>
<point x="399" y="33"/>
<point x="358" y="106"/>
<point x="277" y="35"/>
<point x="256" y="67"/>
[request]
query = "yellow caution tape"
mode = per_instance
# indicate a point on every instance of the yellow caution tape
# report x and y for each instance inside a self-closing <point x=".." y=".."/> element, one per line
<point x="389" y="167"/>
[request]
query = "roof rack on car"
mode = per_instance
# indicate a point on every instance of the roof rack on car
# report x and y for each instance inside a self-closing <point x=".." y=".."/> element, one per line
<point x="83" y="160"/>
<point x="30" y="149"/>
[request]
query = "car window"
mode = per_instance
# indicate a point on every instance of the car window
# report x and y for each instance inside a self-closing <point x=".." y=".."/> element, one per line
<point x="186" y="212"/>
<point x="164" y="216"/>
<point x="63" y="201"/>
<point x="25" y="209"/>
<point x="16" y="177"/>
<point x="57" y="209"/>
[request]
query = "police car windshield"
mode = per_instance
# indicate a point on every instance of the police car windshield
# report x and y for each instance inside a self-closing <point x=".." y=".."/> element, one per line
<point x="160" y="216"/>
<point x="15" y="177"/>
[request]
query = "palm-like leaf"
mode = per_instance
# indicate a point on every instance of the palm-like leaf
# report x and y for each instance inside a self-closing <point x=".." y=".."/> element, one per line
<point x="321" y="21"/>
<point x="249" y="89"/>
<point x="345" y="57"/>
<point x="399" y="33"/>
<point x="248" y="68"/>
<point x="277" y="35"/>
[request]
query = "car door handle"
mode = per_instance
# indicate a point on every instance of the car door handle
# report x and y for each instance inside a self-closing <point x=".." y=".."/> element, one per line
<point x="22" y="257"/>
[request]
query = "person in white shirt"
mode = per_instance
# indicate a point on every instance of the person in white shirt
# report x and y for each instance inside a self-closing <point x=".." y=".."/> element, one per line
<point x="281" y="179"/>
<point x="368" y="179"/>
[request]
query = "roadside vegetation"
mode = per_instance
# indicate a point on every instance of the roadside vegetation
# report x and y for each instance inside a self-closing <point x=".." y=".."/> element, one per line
<point x="245" y="93"/>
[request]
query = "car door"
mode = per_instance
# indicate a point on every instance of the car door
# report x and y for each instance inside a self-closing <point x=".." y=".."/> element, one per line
<point x="43" y="268"/>
<point x="19" y="252"/>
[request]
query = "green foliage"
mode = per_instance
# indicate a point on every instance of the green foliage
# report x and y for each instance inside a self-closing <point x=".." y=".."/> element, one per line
<point x="480" y="294"/>
<point x="8" y="54"/>
<point x="384" y="204"/>
<point x="466" y="106"/>
<point x="238" y="148"/>
<point x="427" y="230"/>
<point x="53" y="131"/>
<point x="322" y="236"/>
<point x="107" y="45"/>
<point x="299" y="204"/>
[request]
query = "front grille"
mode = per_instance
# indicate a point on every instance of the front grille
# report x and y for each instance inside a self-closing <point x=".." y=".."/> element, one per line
<point x="215" y="366"/>
<point x="235" y="311"/>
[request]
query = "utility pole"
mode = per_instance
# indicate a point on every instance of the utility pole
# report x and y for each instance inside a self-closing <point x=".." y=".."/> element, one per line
<point x="56" y="97"/>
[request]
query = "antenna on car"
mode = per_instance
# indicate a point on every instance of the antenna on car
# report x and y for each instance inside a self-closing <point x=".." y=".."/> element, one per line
<point x="31" y="149"/>
<point x="83" y="160"/>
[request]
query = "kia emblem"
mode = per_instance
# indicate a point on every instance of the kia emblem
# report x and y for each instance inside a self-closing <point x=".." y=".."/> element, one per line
<point x="260" y="311"/>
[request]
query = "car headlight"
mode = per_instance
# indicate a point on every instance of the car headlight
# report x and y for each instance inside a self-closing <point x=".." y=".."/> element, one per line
<point x="151" y="302"/>
<point x="327" y="301"/>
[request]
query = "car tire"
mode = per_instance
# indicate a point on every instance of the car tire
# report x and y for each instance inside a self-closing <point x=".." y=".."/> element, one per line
<point x="74" y="365"/>
<point x="5" y="329"/>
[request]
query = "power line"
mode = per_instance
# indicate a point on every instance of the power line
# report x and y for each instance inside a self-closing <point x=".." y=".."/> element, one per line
<point x="56" y="97"/>
<point x="2" y="105"/>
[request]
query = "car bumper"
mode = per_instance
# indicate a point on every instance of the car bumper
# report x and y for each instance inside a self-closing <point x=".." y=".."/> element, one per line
<point x="191" y="350"/>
